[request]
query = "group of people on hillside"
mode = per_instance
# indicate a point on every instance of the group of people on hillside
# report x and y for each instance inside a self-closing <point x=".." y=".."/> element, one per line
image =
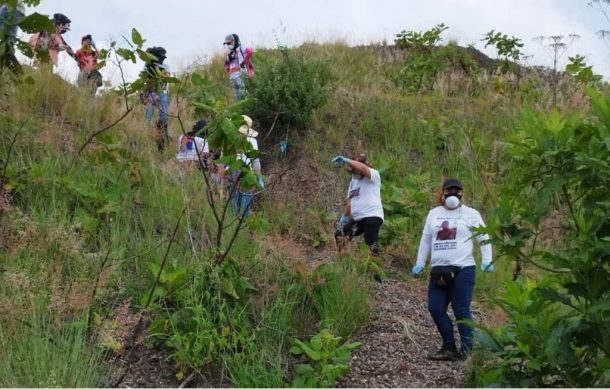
<point x="50" y="44"/>
<point x="447" y="239"/>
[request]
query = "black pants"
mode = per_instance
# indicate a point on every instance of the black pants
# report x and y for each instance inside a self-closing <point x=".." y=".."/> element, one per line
<point x="369" y="226"/>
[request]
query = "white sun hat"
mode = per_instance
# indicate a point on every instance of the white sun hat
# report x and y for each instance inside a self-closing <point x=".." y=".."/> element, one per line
<point x="247" y="129"/>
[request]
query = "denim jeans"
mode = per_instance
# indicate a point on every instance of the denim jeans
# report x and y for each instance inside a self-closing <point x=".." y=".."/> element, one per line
<point x="239" y="87"/>
<point x="459" y="294"/>
<point x="163" y="104"/>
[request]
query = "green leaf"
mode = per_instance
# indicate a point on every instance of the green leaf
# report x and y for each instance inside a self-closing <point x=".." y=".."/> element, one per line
<point x="36" y="22"/>
<point x="137" y="38"/>
<point x="126" y="54"/>
<point x="311" y="354"/>
<point x="229" y="288"/>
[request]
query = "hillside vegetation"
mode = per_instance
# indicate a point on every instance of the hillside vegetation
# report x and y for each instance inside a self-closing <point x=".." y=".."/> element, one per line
<point x="109" y="247"/>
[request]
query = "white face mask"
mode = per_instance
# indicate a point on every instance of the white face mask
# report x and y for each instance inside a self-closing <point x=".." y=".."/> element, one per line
<point x="230" y="47"/>
<point x="452" y="202"/>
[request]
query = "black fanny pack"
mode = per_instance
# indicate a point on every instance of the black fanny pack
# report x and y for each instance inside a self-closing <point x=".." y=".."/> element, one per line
<point x="443" y="276"/>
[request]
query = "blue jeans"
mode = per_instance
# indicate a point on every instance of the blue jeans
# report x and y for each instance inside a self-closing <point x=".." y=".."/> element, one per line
<point x="459" y="294"/>
<point x="163" y="104"/>
<point x="239" y="88"/>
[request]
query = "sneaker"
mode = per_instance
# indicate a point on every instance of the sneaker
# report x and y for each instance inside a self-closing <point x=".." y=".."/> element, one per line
<point x="463" y="355"/>
<point x="444" y="354"/>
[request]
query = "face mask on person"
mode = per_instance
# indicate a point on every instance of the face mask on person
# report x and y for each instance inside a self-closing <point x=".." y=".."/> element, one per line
<point x="452" y="200"/>
<point x="230" y="47"/>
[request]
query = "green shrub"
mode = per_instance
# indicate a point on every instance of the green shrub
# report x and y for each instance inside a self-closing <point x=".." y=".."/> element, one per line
<point x="287" y="89"/>
<point x="328" y="360"/>
<point x="560" y="194"/>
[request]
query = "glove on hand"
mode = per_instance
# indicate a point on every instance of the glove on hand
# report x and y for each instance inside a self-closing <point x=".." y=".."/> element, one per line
<point x="261" y="182"/>
<point x="487" y="266"/>
<point x="340" y="160"/>
<point x="416" y="270"/>
<point x="343" y="220"/>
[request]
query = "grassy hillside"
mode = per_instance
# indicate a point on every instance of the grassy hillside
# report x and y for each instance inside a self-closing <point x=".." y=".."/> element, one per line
<point x="119" y="239"/>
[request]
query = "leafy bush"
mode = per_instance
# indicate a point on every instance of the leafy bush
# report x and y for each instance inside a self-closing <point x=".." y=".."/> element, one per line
<point x="328" y="360"/>
<point x="427" y="59"/>
<point x="287" y="89"/>
<point x="561" y="166"/>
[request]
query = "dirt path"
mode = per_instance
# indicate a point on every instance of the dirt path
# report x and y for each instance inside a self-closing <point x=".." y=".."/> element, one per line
<point x="400" y="335"/>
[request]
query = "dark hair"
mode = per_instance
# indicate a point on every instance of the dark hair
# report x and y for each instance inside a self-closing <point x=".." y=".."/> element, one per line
<point x="362" y="159"/>
<point x="159" y="53"/>
<point x="59" y="19"/>
<point x="197" y="127"/>
<point x="88" y="36"/>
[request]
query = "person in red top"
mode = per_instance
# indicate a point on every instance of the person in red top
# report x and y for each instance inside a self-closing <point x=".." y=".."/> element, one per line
<point x="88" y="76"/>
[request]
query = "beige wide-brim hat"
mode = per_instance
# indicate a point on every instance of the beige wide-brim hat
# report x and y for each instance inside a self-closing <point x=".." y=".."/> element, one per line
<point x="247" y="129"/>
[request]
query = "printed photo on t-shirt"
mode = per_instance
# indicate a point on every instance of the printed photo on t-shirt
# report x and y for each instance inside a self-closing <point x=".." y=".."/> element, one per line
<point x="354" y="193"/>
<point x="446" y="231"/>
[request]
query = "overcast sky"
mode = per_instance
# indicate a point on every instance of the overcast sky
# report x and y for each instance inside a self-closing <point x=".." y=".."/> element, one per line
<point x="193" y="30"/>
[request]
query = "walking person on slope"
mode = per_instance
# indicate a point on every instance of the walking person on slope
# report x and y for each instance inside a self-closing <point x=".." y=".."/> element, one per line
<point x="448" y="236"/>
<point x="88" y="76"/>
<point x="238" y="64"/>
<point x="364" y="195"/>
<point x="242" y="199"/>
<point x="50" y="44"/>
<point x="156" y="93"/>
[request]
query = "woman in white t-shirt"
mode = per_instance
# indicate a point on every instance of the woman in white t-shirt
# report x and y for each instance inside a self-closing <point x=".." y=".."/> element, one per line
<point x="364" y="195"/>
<point x="447" y="239"/>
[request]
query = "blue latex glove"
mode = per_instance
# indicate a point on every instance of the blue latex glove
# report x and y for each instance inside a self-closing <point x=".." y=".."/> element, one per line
<point x="417" y="270"/>
<point x="487" y="266"/>
<point x="340" y="160"/>
<point x="343" y="220"/>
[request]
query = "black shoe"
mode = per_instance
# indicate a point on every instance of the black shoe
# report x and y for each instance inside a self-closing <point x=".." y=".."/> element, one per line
<point x="463" y="355"/>
<point x="444" y="354"/>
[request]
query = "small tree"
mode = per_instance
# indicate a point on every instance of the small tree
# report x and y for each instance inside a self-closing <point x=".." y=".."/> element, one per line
<point x="554" y="216"/>
<point x="556" y="47"/>
<point x="287" y="90"/>
<point x="507" y="48"/>
<point x="425" y="61"/>
<point x="578" y="69"/>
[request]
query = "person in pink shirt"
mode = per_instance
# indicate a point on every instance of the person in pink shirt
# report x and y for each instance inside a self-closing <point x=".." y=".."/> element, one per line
<point x="238" y="63"/>
<point x="44" y="43"/>
<point x="88" y="76"/>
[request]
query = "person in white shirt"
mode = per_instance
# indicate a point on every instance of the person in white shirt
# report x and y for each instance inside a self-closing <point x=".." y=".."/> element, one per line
<point x="365" y="209"/>
<point x="448" y="236"/>
<point x="192" y="147"/>
<point x="242" y="200"/>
